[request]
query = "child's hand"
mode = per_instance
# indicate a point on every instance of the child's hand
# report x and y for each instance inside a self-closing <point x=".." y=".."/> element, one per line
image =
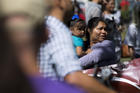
<point x="88" y="51"/>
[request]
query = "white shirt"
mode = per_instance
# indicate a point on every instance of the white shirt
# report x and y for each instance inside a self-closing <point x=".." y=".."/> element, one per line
<point x="57" y="56"/>
<point x="116" y="16"/>
<point x="133" y="38"/>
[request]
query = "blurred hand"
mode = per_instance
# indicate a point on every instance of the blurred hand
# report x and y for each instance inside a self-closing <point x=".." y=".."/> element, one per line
<point x="89" y="51"/>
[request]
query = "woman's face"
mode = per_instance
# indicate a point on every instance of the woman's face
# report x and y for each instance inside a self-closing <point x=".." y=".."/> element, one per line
<point x="110" y="5"/>
<point x="99" y="33"/>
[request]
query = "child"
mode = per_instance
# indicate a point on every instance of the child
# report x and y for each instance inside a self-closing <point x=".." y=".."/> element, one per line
<point x="78" y="28"/>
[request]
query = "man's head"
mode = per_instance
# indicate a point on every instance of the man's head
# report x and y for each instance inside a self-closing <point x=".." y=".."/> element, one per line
<point x="65" y="6"/>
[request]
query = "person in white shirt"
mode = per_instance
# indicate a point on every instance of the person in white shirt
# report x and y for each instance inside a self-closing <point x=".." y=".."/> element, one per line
<point x="132" y="38"/>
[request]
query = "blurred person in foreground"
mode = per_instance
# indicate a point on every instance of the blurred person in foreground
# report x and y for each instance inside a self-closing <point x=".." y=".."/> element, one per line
<point x="93" y="8"/>
<point x="102" y="51"/>
<point x="132" y="38"/>
<point x="57" y="57"/>
<point x="22" y="30"/>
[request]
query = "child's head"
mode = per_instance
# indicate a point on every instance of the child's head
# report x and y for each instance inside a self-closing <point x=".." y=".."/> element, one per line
<point x="78" y="27"/>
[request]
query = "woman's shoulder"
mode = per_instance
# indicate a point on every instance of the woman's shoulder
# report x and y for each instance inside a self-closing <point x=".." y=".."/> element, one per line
<point x="105" y="43"/>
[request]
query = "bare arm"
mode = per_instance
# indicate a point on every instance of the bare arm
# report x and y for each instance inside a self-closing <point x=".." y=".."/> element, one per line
<point x="131" y="51"/>
<point x="90" y="84"/>
<point x="80" y="51"/>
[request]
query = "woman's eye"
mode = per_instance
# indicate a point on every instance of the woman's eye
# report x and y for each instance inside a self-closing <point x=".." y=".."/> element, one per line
<point x="100" y="28"/>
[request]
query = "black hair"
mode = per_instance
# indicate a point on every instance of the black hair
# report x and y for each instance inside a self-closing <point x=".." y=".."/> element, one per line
<point x="107" y="0"/>
<point x="93" y="22"/>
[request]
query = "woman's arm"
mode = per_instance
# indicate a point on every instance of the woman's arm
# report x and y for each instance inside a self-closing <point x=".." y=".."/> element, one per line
<point x="101" y="53"/>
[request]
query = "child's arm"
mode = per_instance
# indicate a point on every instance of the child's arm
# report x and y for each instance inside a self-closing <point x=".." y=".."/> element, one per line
<point x="80" y="51"/>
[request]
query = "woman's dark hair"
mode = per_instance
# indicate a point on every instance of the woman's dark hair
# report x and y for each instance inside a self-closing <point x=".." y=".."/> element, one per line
<point x="93" y="22"/>
<point x="12" y="78"/>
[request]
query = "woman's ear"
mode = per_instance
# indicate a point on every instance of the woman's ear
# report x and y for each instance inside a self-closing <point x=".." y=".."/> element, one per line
<point x="88" y="30"/>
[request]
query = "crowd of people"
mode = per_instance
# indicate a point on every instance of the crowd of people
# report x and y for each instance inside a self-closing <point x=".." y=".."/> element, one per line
<point x="46" y="44"/>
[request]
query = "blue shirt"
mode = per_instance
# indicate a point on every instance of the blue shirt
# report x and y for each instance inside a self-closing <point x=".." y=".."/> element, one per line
<point x="77" y="41"/>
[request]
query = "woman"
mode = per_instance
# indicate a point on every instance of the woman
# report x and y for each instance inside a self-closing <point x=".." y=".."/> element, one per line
<point x="132" y="38"/>
<point x="102" y="51"/>
<point x="22" y="30"/>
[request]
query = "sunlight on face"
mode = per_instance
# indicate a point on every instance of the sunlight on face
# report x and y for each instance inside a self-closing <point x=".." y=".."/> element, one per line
<point x="99" y="33"/>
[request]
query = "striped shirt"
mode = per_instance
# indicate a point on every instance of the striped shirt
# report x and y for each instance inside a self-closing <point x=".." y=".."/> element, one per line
<point x="57" y="56"/>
